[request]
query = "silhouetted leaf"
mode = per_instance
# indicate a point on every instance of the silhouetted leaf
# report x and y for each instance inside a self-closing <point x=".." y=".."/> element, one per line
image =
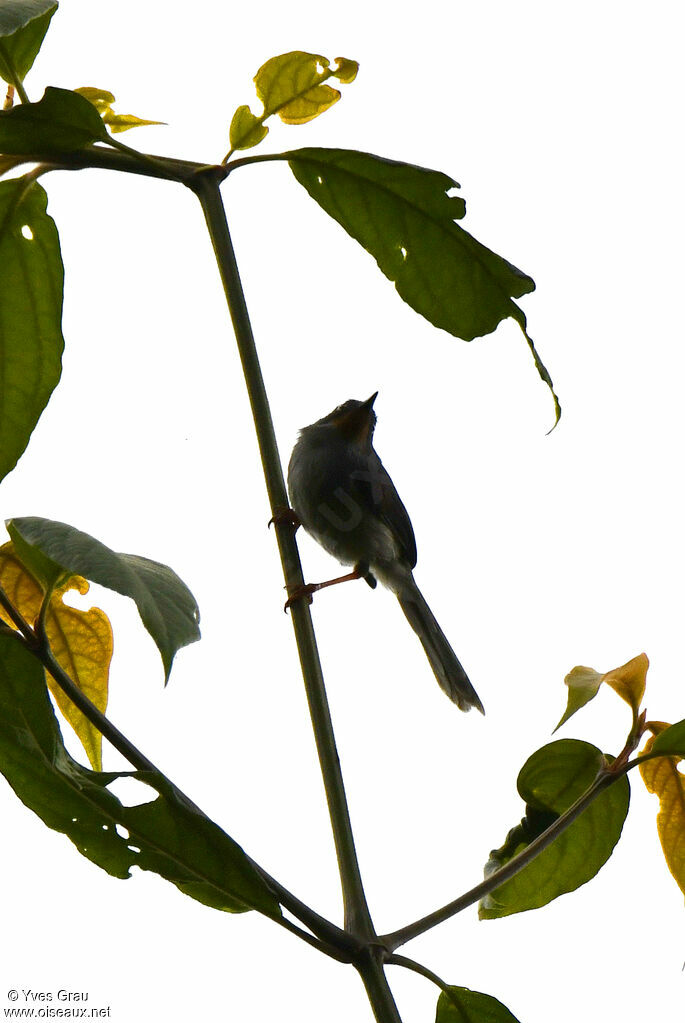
<point x="671" y="740"/>
<point x="461" y="1005"/>
<point x="402" y="215"/>
<point x="164" y="835"/>
<point x="60" y="122"/>
<point x="31" y="286"/>
<point x="23" y="24"/>
<point x="166" y="606"/>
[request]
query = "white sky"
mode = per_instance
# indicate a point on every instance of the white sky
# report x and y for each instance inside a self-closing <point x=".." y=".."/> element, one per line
<point x="563" y="125"/>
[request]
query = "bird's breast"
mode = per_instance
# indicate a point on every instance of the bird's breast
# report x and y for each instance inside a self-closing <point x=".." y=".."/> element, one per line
<point x="330" y="494"/>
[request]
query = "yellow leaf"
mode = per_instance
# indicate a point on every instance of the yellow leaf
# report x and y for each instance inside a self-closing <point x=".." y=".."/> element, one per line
<point x="82" y="643"/>
<point x="315" y="101"/>
<point x="80" y="640"/>
<point x="246" y="130"/>
<point x="629" y="680"/>
<point x="102" y="100"/>
<point x="656" y="728"/>
<point x="292" y="86"/>
<point x="19" y="585"/>
<point x="122" y="122"/>
<point x="662" y="777"/>
<point x="346" y="70"/>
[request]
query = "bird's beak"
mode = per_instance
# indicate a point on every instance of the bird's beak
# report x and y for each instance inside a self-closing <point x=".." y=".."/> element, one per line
<point x="356" y="422"/>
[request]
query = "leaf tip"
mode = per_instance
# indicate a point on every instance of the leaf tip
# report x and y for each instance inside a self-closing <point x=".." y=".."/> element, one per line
<point x="346" y="70"/>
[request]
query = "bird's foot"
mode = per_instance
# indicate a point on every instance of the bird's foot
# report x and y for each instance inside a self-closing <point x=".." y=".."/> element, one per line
<point x="302" y="592"/>
<point x="305" y="590"/>
<point x="283" y="516"/>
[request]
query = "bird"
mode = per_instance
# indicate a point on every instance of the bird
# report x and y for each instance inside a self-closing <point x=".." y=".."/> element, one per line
<point x="342" y="495"/>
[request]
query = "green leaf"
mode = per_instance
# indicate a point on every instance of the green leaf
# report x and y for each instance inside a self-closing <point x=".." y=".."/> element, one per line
<point x="31" y="286"/>
<point x="550" y="782"/>
<point x="60" y="122"/>
<point x="47" y="573"/>
<point x="166" y="606"/>
<point x="461" y="1005"/>
<point x="671" y="741"/>
<point x="23" y="24"/>
<point x="402" y="215"/>
<point x="164" y="835"/>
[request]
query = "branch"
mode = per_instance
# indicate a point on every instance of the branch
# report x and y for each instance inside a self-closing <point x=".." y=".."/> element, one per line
<point x="357" y="917"/>
<point x="128" y="161"/>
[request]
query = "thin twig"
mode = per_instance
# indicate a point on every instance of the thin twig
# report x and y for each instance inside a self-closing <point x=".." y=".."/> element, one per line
<point x="411" y="964"/>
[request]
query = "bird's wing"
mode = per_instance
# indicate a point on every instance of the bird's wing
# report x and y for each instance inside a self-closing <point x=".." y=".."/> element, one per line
<point x="376" y="491"/>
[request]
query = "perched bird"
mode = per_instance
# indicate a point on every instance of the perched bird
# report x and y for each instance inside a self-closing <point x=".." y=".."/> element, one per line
<point x="345" y="499"/>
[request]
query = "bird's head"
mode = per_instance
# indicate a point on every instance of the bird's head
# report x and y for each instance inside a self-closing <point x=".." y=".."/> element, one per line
<point x="354" y="420"/>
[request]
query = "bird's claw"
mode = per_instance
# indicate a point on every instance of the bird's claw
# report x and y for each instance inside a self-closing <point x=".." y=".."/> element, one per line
<point x="285" y="517"/>
<point x="303" y="591"/>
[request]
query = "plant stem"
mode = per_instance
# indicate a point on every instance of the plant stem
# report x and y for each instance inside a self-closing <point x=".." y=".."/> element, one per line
<point x="21" y="91"/>
<point x="372" y="973"/>
<point x="423" y="971"/>
<point x="357" y="917"/>
<point x="130" y="162"/>
<point x="604" y="779"/>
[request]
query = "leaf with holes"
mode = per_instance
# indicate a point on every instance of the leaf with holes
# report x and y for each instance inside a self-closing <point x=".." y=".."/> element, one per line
<point x="166" y="606"/>
<point x="31" y="286"/>
<point x="404" y="216"/>
<point x="23" y="24"/>
<point x="292" y="85"/>
<point x="165" y="835"/>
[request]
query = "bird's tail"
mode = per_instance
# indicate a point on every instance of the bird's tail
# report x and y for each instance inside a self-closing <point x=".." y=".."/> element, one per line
<point x="446" y="667"/>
